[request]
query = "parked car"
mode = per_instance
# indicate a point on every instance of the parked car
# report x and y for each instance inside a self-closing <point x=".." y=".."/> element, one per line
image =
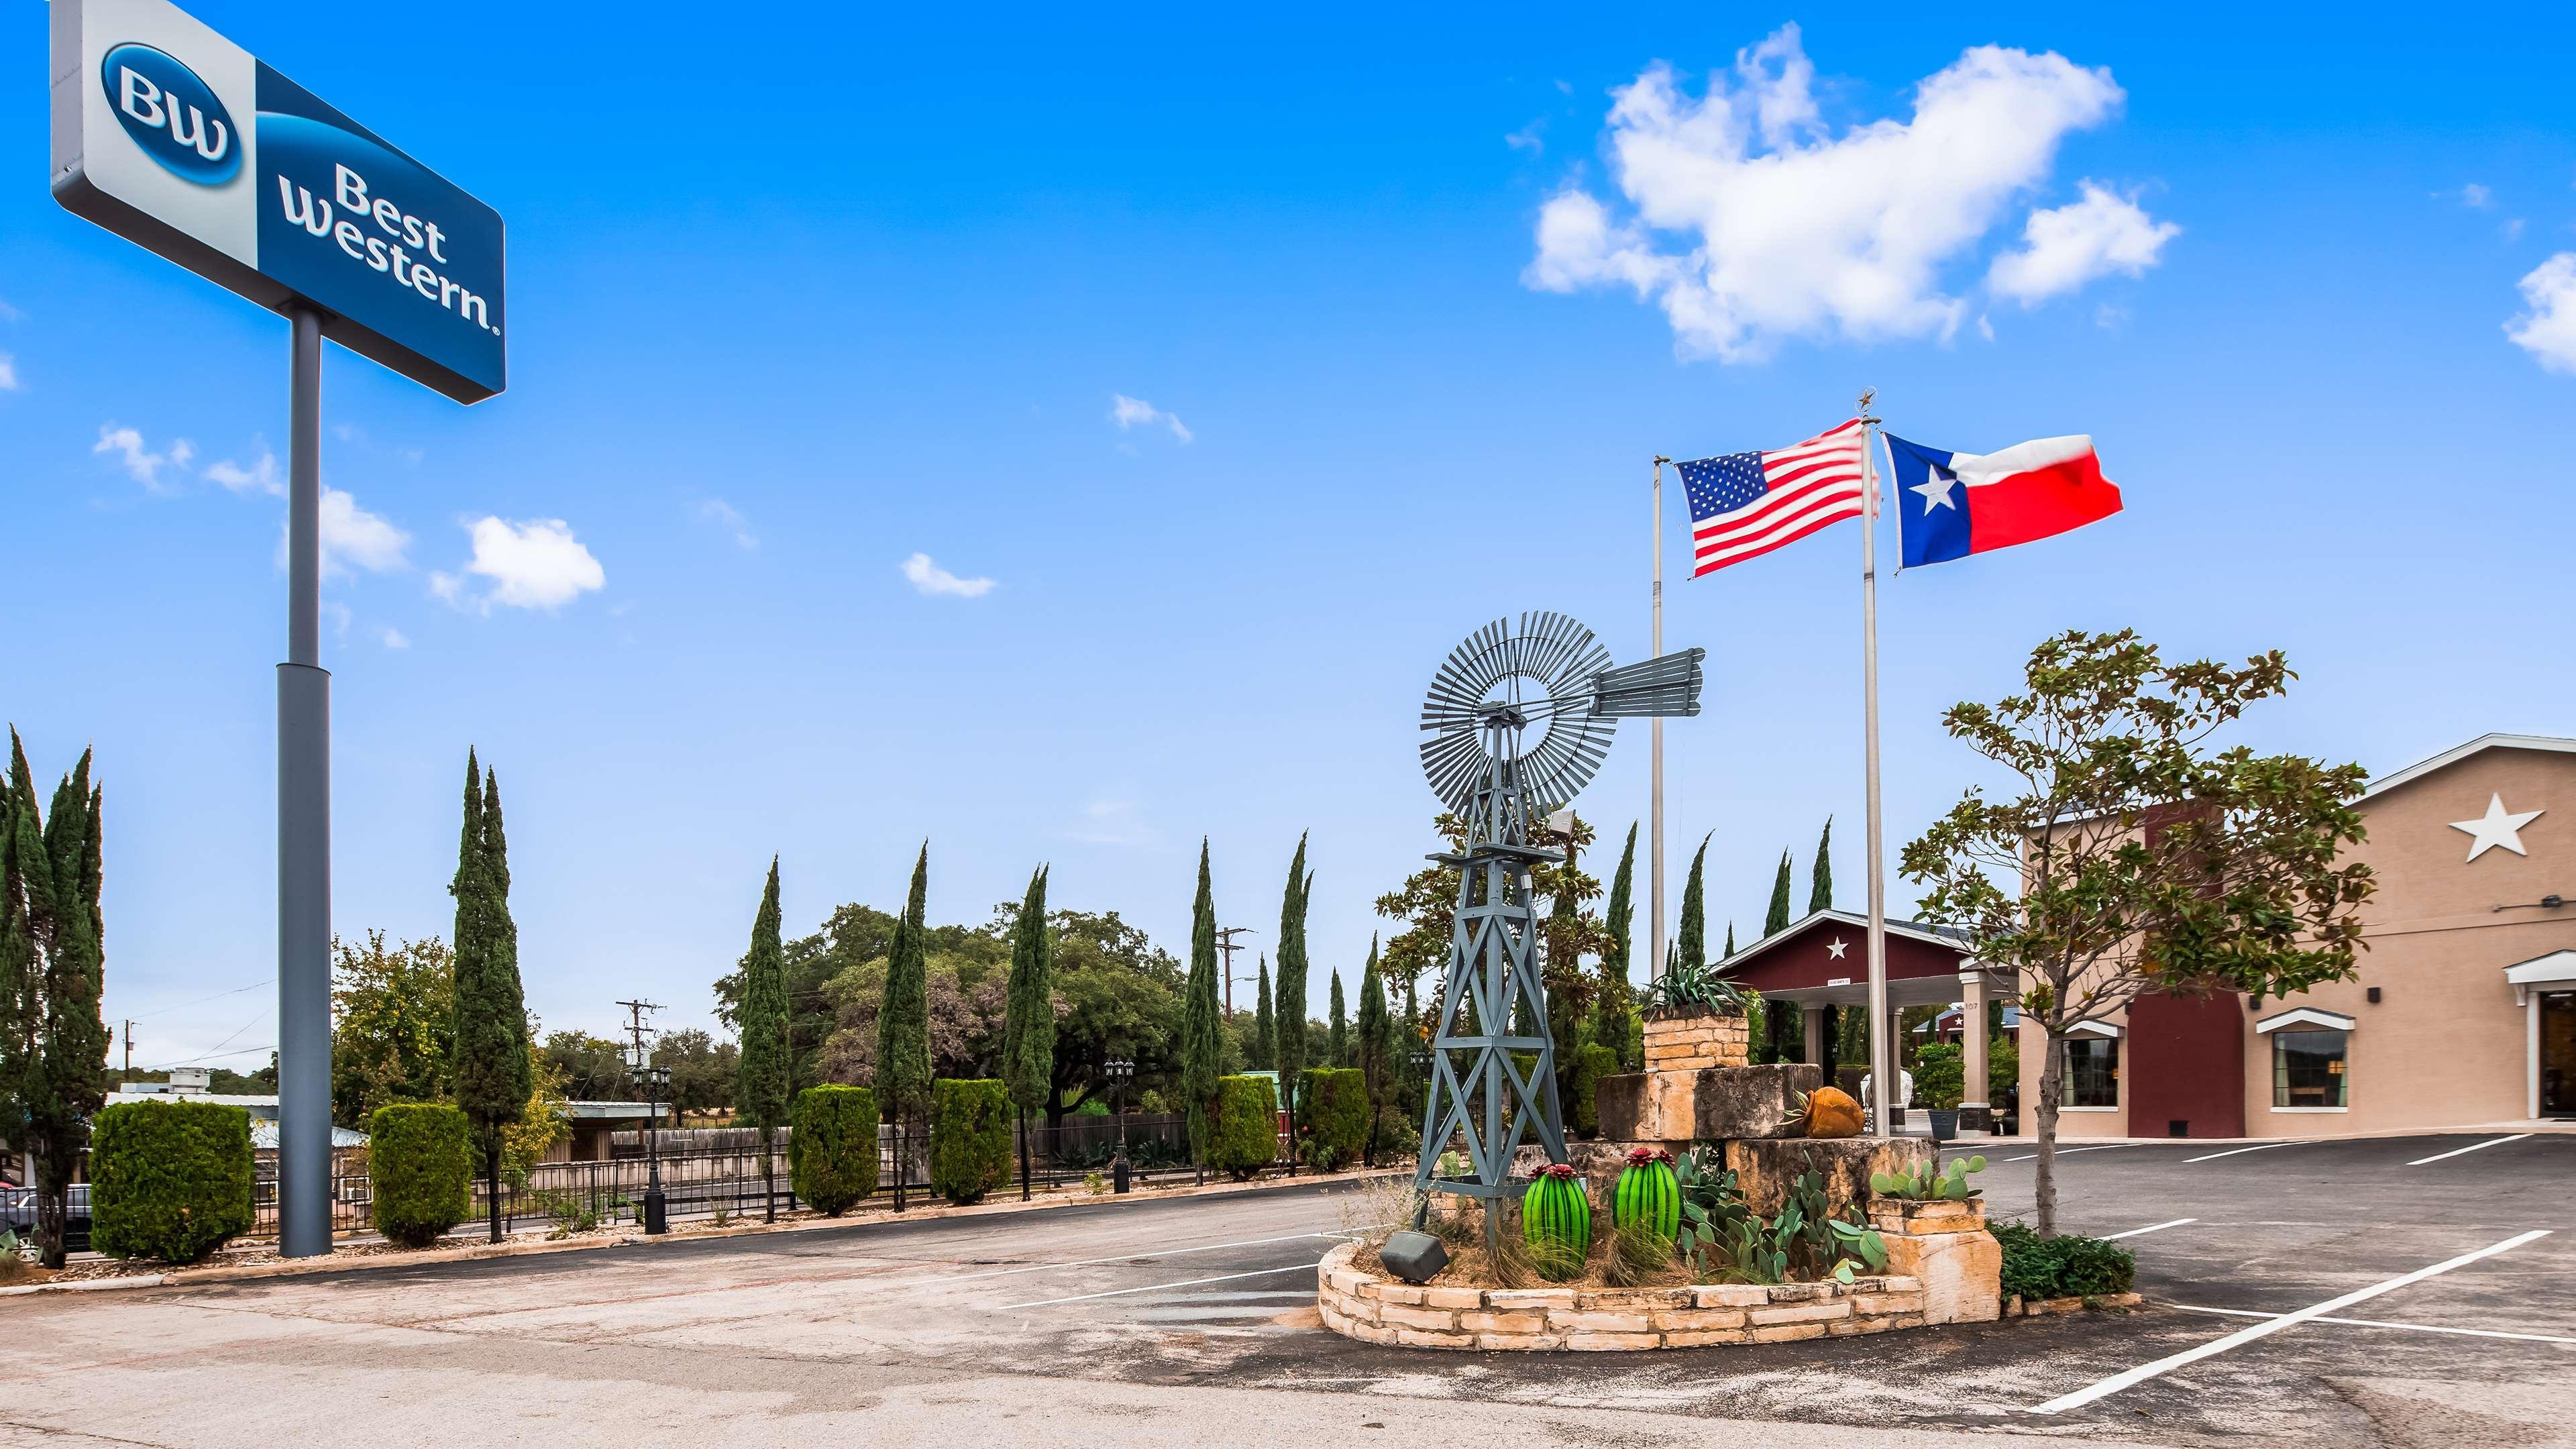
<point x="18" y="1213"/>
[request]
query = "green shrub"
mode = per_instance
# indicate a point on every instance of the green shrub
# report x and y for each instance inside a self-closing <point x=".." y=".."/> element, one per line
<point x="970" y="1137"/>
<point x="1244" y="1138"/>
<point x="1940" y="1076"/>
<point x="832" y="1147"/>
<point x="2063" y="1267"/>
<point x="420" y="1162"/>
<point x="168" y="1180"/>
<point x="2003" y="1066"/>
<point x="1334" y="1125"/>
<point x="1592" y="1062"/>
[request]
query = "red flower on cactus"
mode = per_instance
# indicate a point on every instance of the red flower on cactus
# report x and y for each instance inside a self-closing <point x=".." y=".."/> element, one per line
<point x="1556" y="1169"/>
<point x="1640" y="1156"/>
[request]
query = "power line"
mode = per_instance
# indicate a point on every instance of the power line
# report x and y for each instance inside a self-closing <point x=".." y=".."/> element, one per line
<point x="202" y="1000"/>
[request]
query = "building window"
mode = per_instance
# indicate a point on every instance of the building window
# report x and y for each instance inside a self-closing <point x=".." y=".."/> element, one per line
<point x="2093" y="1071"/>
<point x="2308" y="1068"/>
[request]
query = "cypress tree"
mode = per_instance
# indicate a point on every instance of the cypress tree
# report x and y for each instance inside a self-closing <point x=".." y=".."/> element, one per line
<point x="1201" y="1047"/>
<point x="1028" y="1014"/>
<point x="1338" y="1041"/>
<point x="1820" y="884"/>
<point x="1776" y="919"/>
<point x="490" y="1069"/>
<point x="1618" y="998"/>
<point x="53" y="1063"/>
<point x="760" y="1071"/>
<point x="1291" y="1008"/>
<point x="1265" y="1031"/>
<point x="1376" y="1045"/>
<point x="903" y="1021"/>
<point x="1730" y="942"/>
<point x="1690" y="945"/>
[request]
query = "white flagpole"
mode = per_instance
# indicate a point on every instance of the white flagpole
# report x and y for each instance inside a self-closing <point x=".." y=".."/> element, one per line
<point x="1655" y="809"/>
<point x="1883" y="1079"/>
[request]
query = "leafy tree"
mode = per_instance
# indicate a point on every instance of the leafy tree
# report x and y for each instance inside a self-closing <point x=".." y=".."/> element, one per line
<point x="53" y="1044"/>
<point x="594" y="1067"/>
<point x="903" y="1069"/>
<point x="393" y="1025"/>
<point x="1690" y="943"/>
<point x="1776" y="919"/>
<point x="1820" y="883"/>
<point x="760" y="1069"/>
<point x="542" y="1120"/>
<point x="2132" y="856"/>
<point x="1567" y="934"/>
<point x="1293" y="1051"/>
<point x="1337" y="1040"/>
<point x="1264" y="1049"/>
<point x="1427" y="903"/>
<point x="851" y="936"/>
<point x="1028" y="1023"/>
<point x="702" y="1071"/>
<point x="1118" y="995"/>
<point x="490" y="1071"/>
<point x="1199" y="1040"/>
<point x="1616" y="1015"/>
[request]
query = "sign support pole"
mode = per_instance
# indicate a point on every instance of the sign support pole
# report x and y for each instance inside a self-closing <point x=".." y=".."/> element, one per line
<point x="1655" y="768"/>
<point x="304" y="829"/>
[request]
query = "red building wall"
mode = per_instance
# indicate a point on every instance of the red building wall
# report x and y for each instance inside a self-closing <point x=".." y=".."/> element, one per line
<point x="2184" y="1060"/>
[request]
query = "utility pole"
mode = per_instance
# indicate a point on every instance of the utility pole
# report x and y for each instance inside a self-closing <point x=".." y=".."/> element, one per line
<point x="1225" y="942"/>
<point x="129" y="1049"/>
<point x="656" y="1219"/>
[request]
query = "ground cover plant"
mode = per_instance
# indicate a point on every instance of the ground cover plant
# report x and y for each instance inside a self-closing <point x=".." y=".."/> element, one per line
<point x="2067" y="1266"/>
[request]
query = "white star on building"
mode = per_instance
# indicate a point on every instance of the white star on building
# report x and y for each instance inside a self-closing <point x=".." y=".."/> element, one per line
<point x="1834" y="948"/>
<point x="2496" y="827"/>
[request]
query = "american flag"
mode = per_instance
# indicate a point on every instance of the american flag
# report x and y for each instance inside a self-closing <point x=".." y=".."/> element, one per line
<point x="1744" y="504"/>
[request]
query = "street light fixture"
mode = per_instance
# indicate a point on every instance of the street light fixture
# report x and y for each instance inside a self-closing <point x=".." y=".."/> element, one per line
<point x="1120" y="1071"/>
<point x="655" y="1080"/>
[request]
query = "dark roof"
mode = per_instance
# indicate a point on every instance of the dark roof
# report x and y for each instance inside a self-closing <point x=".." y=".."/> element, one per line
<point x="1925" y="931"/>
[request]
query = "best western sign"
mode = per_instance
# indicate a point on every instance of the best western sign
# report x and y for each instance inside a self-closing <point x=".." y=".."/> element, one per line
<point x="173" y="137"/>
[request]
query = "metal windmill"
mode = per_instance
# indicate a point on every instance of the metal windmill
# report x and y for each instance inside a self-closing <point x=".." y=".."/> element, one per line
<point x="1497" y="686"/>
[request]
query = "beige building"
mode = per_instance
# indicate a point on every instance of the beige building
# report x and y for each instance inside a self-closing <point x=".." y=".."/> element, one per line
<point x="2464" y="1009"/>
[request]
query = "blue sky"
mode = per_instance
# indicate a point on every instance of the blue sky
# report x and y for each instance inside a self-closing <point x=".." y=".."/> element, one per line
<point x="793" y="302"/>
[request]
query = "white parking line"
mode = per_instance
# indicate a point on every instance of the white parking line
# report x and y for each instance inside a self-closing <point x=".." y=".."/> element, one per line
<point x="2155" y="1228"/>
<point x="2472" y="1147"/>
<point x="1096" y="1262"/>
<point x="1159" y="1287"/>
<point x="2130" y="1377"/>
<point x="2232" y="1151"/>
<point x="2382" y="1323"/>
<point x="2105" y="1147"/>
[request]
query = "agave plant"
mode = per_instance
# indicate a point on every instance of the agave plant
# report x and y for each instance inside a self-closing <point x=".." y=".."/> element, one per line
<point x="1686" y="986"/>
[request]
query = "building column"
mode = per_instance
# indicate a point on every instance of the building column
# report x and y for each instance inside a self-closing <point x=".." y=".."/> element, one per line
<point x="1972" y="1012"/>
<point x="1812" y="1017"/>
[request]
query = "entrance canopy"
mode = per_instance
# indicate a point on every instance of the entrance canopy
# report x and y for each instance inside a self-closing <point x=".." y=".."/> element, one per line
<point x="1824" y="961"/>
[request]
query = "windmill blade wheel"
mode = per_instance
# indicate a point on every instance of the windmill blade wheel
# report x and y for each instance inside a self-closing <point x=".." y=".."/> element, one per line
<point x="1546" y="656"/>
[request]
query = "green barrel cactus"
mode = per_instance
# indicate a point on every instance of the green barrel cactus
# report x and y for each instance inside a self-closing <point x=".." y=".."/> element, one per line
<point x="1556" y="1221"/>
<point x="1647" y="1192"/>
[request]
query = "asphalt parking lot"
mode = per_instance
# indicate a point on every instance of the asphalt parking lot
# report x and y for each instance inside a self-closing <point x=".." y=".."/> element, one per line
<point x="1191" y="1321"/>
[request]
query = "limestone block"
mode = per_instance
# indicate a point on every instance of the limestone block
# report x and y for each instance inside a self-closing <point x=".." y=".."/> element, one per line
<point x="1894" y="1215"/>
<point x="1961" y="1273"/>
<point x="1597" y="1163"/>
<point x="1764" y="1168"/>
<point x="1735" y="1102"/>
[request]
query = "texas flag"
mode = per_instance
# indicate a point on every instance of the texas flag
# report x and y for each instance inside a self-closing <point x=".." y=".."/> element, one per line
<point x="1950" y="505"/>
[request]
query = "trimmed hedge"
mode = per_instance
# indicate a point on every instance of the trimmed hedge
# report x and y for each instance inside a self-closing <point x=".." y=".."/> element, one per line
<point x="1334" y="1127"/>
<point x="832" y="1147"/>
<point x="420" y="1165"/>
<point x="168" y="1180"/>
<point x="1244" y="1137"/>
<point x="2063" y="1267"/>
<point x="970" y="1137"/>
<point x="1592" y="1062"/>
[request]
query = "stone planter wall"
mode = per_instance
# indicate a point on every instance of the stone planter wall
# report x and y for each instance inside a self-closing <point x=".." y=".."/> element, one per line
<point x="1375" y="1309"/>
<point x="1945" y="1247"/>
<point x="1687" y="1042"/>
<point x="1706" y="1104"/>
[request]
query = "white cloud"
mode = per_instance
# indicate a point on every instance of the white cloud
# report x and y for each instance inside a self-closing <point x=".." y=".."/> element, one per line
<point x="2548" y="330"/>
<point x="1112" y="821"/>
<point x="259" y="477"/>
<point x="1780" y="228"/>
<point x="724" y="515"/>
<point x="1130" y="412"/>
<point x="8" y="373"/>
<point x="140" y="463"/>
<point x="352" y="535"/>
<point x="392" y="638"/>
<point x="2479" y="197"/>
<point x="533" y="565"/>
<point x="339" y="615"/>
<point x="2512" y="230"/>
<point x="933" y="581"/>
<point x="2065" y="247"/>
<point x="1527" y="138"/>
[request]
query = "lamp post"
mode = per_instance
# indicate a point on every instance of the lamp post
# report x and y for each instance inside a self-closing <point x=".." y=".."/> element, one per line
<point x="1120" y="1072"/>
<point x="653" y="1079"/>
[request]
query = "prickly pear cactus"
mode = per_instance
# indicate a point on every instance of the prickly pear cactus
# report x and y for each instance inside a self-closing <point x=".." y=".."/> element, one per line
<point x="1647" y="1192"/>
<point x="1556" y="1211"/>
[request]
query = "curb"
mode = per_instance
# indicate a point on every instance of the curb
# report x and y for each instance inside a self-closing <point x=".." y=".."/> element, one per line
<point x="538" y="1247"/>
